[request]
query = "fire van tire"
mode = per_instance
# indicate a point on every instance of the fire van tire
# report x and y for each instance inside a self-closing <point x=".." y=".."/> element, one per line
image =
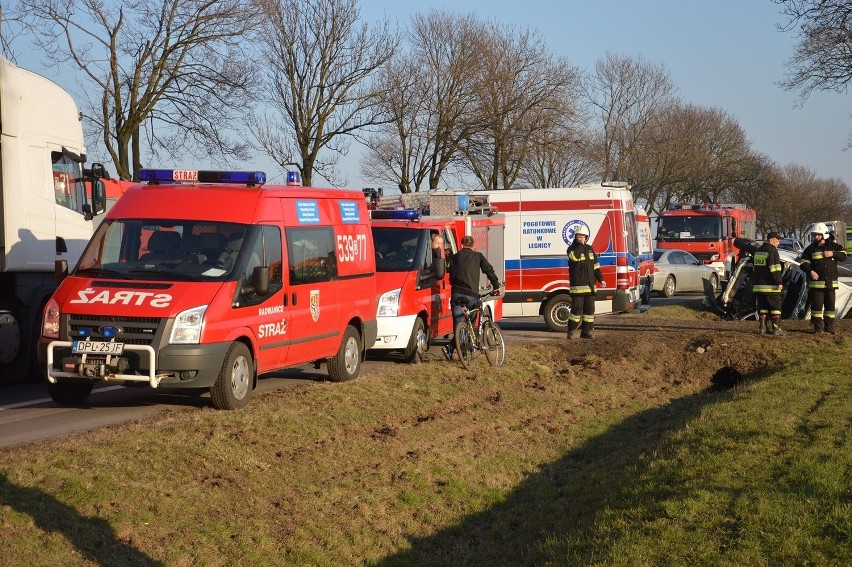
<point x="556" y="312"/>
<point x="346" y="364"/>
<point x="69" y="394"/>
<point x="232" y="388"/>
<point x="418" y="344"/>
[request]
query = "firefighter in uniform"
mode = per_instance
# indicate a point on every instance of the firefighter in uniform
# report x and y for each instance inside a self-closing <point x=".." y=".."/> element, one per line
<point x="583" y="272"/>
<point x="819" y="262"/>
<point x="767" y="286"/>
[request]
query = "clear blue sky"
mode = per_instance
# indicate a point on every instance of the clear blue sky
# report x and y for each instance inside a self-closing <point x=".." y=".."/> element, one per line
<point x="720" y="53"/>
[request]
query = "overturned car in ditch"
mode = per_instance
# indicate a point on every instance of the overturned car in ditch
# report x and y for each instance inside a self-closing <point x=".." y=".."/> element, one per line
<point x="736" y="301"/>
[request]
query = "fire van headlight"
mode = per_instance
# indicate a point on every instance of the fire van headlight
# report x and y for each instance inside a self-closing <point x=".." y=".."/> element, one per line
<point x="714" y="257"/>
<point x="388" y="304"/>
<point x="188" y="325"/>
<point x="50" y="322"/>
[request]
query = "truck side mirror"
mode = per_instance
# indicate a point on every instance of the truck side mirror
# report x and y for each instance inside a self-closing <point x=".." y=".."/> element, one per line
<point x="60" y="271"/>
<point x="98" y="197"/>
<point x="98" y="171"/>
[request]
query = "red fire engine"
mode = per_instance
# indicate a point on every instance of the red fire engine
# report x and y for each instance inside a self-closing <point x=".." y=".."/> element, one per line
<point x="707" y="231"/>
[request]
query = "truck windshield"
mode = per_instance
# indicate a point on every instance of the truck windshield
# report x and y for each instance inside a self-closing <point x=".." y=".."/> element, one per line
<point x="396" y="248"/>
<point x="689" y="228"/>
<point x="152" y="249"/>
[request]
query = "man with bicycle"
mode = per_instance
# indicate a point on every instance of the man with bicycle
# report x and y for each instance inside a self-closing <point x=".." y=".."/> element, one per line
<point x="465" y="268"/>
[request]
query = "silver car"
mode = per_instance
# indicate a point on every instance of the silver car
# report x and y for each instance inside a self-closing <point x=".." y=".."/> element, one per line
<point x="677" y="271"/>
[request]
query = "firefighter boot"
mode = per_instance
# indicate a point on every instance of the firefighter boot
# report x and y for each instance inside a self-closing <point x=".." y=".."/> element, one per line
<point x="762" y="325"/>
<point x="829" y="326"/>
<point x="817" y="324"/>
<point x="587" y="331"/>
<point x="776" y="328"/>
<point x="571" y="328"/>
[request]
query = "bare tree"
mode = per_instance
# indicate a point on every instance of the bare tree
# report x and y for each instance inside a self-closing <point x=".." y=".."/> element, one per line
<point x="521" y="88"/>
<point x="626" y="93"/>
<point x="169" y="73"/>
<point x="560" y="156"/>
<point x="430" y="98"/>
<point x="822" y="59"/>
<point x="321" y="60"/>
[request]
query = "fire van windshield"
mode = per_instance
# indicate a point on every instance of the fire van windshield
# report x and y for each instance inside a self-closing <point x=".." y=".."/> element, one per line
<point x="157" y="249"/>
<point x="396" y="248"/>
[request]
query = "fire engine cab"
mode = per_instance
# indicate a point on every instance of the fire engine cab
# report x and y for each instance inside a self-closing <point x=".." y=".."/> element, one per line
<point x="707" y="231"/>
<point x="203" y="279"/>
<point x="413" y="283"/>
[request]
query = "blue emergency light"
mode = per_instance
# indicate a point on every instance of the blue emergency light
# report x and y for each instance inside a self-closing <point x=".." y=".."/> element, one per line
<point x="294" y="179"/>
<point x="399" y="214"/>
<point x="155" y="176"/>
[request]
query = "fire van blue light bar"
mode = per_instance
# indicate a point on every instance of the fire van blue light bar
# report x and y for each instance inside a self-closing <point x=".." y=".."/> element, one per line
<point x="399" y="214"/>
<point x="194" y="176"/>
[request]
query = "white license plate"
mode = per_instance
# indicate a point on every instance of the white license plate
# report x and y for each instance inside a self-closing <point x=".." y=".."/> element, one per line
<point x="96" y="347"/>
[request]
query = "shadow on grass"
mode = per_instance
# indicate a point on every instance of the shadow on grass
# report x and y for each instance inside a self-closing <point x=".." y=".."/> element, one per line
<point x="93" y="538"/>
<point x="550" y="517"/>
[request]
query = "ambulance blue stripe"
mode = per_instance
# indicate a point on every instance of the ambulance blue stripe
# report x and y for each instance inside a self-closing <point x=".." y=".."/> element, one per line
<point x="554" y="262"/>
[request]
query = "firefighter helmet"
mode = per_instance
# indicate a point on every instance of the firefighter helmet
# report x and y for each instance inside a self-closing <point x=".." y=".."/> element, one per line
<point x="819" y="228"/>
<point x="582" y="229"/>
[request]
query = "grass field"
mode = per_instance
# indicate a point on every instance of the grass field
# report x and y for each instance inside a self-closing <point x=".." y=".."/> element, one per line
<point x="569" y="455"/>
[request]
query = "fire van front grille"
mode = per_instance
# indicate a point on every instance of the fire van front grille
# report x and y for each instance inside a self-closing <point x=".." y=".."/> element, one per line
<point x="134" y="330"/>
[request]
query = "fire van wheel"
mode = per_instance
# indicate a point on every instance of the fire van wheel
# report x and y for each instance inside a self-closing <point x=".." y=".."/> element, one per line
<point x="233" y="385"/>
<point x="346" y="364"/>
<point x="69" y="394"/>
<point x="669" y="287"/>
<point x="418" y="344"/>
<point x="556" y="312"/>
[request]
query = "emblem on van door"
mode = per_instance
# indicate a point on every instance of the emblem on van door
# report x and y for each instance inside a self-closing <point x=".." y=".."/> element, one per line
<point x="315" y="305"/>
<point x="570" y="229"/>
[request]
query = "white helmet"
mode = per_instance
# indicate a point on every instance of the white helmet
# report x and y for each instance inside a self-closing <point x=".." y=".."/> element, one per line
<point x="819" y="228"/>
<point x="582" y="229"/>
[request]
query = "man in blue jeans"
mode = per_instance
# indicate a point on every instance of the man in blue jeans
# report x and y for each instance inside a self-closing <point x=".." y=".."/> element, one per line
<point x="465" y="268"/>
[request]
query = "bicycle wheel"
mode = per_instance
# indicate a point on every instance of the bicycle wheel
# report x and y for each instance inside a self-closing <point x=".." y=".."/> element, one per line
<point x="493" y="343"/>
<point x="464" y="344"/>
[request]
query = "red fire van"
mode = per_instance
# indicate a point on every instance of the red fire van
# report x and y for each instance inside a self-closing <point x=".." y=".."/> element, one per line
<point x="200" y="279"/>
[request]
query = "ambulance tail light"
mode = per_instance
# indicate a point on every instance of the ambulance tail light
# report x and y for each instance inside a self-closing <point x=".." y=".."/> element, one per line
<point x="50" y="322"/>
<point x="389" y="304"/>
<point x="622" y="275"/>
<point x="247" y="178"/>
<point x="188" y="326"/>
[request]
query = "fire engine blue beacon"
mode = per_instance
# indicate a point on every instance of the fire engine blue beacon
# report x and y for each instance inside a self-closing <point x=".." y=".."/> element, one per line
<point x="294" y="179"/>
<point x="248" y="178"/>
<point x="570" y="229"/>
<point x="307" y="212"/>
<point x="349" y="212"/>
<point x="464" y="202"/>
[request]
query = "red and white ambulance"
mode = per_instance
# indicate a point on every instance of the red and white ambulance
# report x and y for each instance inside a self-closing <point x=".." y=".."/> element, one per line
<point x="203" y="279"/>
<point x="540" y="225"/>
<point x="414" y="290"/>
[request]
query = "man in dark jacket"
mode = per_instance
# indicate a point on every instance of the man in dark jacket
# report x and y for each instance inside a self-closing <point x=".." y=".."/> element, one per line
<point x="766" y="285"/>
<point x="819" y="262"/>
<point x="465" y="267"/>
<point x="583" y="271"/>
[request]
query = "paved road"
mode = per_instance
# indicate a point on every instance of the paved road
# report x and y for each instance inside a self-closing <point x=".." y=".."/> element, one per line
<point x="28" y="414"/>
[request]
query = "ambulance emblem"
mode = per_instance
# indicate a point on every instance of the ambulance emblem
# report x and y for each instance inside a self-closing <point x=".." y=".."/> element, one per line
<point x="570" y="229"/>
<point x="315" y="305"/>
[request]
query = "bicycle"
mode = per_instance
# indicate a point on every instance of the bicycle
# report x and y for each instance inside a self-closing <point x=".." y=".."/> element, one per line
<point x="478" y="332"/>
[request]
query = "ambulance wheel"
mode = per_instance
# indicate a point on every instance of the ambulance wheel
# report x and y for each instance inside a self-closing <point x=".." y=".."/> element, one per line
<point x="69" y="394"/>
<point x="233" y="385"/>
<point x="556" y="312"/>
<point x="669" y="286"/>
<point x="346" y="364"/>
<point x="418" y="344"/>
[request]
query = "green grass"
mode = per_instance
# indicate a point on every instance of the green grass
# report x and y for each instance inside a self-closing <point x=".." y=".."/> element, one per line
<point x="582" y="453"/>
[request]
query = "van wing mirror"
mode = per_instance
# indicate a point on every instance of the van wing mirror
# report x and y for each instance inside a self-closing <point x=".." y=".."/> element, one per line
<point x="260" y="280"/>
<point x="439" y="268"/>
<point x="98" y="197"/>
